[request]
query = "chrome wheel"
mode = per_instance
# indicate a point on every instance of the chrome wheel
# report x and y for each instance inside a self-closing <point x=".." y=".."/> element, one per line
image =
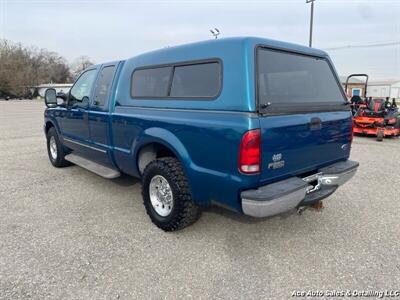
<point x="161" y="196"/>
<point x="53" y="148"/>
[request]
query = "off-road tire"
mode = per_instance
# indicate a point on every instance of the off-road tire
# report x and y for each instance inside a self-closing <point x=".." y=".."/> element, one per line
<point x="184" y="212"/>
<point x="60" y="161"/>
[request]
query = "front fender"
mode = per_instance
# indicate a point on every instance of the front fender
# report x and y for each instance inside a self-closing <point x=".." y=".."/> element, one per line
<point x="49" y="118"/>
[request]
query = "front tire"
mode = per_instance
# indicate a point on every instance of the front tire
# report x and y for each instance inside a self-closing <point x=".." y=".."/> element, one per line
<point x="55" y="149"/>
<point x="166" y="195"/>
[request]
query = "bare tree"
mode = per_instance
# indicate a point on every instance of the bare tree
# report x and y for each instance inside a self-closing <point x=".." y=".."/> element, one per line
<point x="80" y="64"/>
<point x="22" y="67"/>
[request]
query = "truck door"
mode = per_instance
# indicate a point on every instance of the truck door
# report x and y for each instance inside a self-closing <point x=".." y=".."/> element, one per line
<point x="75" y="125"/>
<point x="99" y="113"/>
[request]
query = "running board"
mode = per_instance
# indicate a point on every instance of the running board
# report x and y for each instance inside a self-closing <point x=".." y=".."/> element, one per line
<point x="92" y="166"/>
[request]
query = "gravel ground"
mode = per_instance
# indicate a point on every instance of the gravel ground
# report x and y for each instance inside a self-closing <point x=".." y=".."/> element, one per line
<point x="67" y="233"/>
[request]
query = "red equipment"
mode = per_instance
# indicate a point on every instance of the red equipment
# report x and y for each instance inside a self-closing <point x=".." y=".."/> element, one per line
<point x="376" y="117"/>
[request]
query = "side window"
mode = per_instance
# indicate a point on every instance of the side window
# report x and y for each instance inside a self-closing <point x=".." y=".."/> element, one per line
<point x="199" y="80"/>
<point x="180" y="80"/>
<point x="80" y="92"/>
<point x="151" y="82"/>
<point x="103" y="86"/>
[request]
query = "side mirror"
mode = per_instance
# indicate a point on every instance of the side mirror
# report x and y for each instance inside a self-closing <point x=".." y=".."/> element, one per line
<point x="62" y="99"/>
<point x="61" y="102"/>
<point x="62" y="95"/>
<point x="50" y="98"/>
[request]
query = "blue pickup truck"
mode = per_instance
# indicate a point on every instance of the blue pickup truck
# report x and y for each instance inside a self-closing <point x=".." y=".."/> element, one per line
<point x="257" y="126"/>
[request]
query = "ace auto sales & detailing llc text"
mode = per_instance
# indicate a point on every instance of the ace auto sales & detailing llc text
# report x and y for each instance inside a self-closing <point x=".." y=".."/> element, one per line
<point x="347" y="293"/>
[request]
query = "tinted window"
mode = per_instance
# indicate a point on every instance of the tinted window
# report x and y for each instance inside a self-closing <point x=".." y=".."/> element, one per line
<point x="295" y="79"/>
<point x="80" y="92"/>
<point x="103" y="85"/>
<point x="151" y="82"/>
<point x="200" y="80"/>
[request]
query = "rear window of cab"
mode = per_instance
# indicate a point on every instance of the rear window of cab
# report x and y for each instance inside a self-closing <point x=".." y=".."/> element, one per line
<point x="201" y="80"/>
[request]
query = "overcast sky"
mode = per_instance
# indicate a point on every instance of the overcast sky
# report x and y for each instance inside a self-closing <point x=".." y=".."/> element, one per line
<point x="112" y="30"/>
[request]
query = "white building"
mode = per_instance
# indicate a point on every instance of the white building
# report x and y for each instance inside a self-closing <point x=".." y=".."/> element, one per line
<point x="355" y="86"/>
<point x="383" y="89"/>
<point x="59" y="87"/>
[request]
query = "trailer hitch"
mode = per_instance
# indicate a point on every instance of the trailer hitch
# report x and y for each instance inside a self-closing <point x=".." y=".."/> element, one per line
<point x="318" y="206"/>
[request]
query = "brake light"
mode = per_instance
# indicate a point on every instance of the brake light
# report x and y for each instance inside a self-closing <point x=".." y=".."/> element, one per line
<point x="392" y="121"/>
<point x="250" y="152"/>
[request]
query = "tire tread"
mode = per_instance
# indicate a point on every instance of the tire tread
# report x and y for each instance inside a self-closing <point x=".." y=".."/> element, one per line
<point x="187" y="211"/>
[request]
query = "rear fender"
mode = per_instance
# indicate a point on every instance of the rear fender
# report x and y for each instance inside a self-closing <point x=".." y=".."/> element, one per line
<point x="172" y="142"/>
<point x="164" y="137"/>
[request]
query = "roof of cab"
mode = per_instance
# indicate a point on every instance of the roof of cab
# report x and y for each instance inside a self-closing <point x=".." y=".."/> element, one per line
<point x="232" y="43"/>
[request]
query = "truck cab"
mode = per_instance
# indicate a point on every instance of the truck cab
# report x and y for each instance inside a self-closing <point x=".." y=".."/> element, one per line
<point x="255" y="125"/>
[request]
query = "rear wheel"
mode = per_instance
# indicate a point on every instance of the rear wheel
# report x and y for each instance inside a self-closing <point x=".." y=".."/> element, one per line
<point x="55" y="149"/>
<point x="166" y="195"/>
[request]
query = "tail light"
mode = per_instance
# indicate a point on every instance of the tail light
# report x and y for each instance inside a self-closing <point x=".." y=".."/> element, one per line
<point x="250" y="152"/>
<point x="392" y="121"/>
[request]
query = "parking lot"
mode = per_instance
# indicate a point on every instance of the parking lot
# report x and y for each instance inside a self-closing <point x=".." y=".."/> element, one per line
<point x="67" y="233"/>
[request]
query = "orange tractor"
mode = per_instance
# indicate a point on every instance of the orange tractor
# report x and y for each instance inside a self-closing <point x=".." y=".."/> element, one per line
<point x="373" y="116"/>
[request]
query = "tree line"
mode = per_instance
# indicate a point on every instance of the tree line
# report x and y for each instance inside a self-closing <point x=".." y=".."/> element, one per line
<point x="22" y="67"/>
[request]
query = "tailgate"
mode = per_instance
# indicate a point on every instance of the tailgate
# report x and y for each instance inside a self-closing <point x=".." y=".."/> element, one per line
<point x="295" y="144"/>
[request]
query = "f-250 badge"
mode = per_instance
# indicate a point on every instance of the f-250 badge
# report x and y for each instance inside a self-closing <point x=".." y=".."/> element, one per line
<point x="277" y="162"/>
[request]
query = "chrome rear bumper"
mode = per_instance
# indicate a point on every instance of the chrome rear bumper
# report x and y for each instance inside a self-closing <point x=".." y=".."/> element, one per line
<point x="282" y="196"/>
